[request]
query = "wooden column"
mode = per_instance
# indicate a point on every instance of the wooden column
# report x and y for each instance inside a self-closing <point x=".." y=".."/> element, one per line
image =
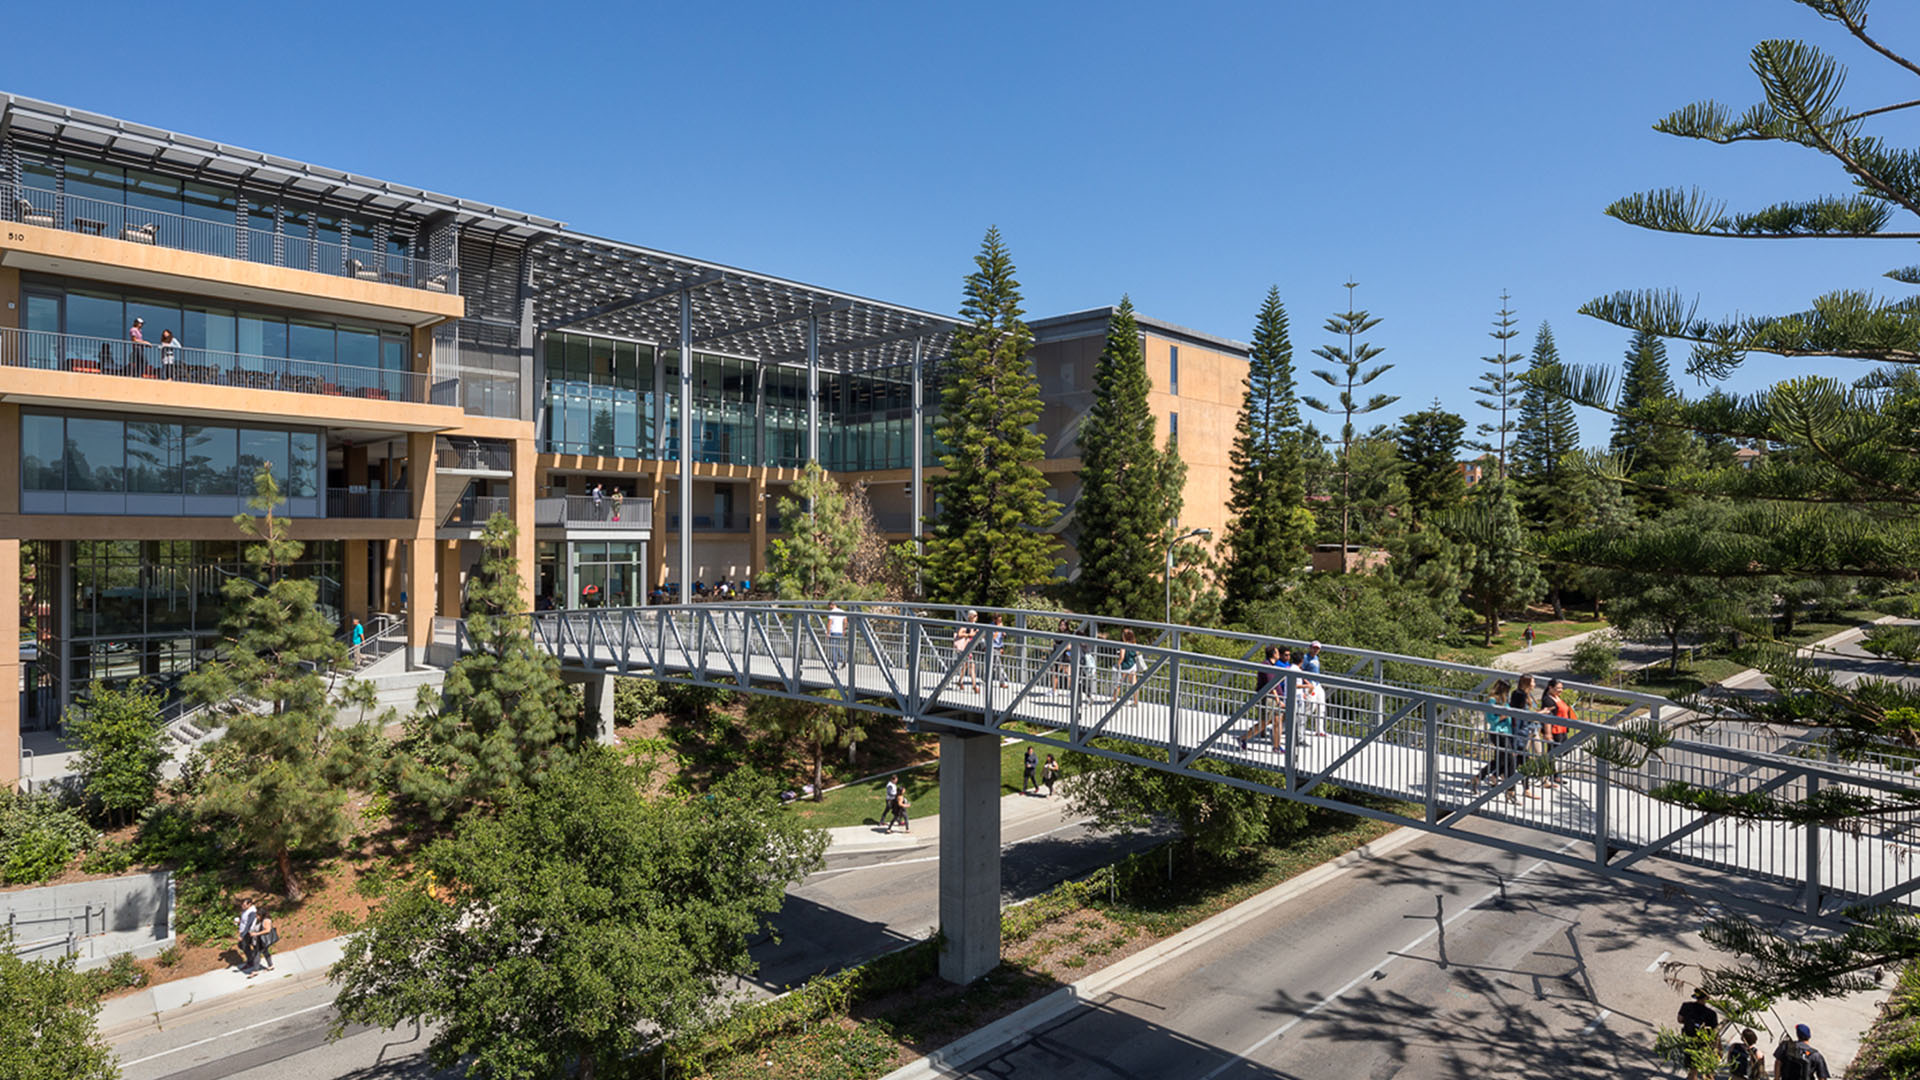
<point x="520" y="509"/>
<point x="421" y="548"/>
<point x="757" y="538"/>
<point x="10" y="661"/>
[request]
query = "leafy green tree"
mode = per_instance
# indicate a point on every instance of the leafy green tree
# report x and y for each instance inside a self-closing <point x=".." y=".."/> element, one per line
<point x="1122" y="508"/>
<point x="815" y="724"/>
<point x="1351" y="375"/>
<point x="1429" y="444"/>
<point x="1216" y="820"/>
<point x="988" y="544"/>
<point x="822" y="555"/>
<point x="1501" y="574"/>
<point x="282" y="771"/>
<point x="1546" y="433"/>
<point x="49" y="1023"/>
<point x="122" y="746"/>
<point x="502" y="716"/>
<point x="558" y="936"/>
<point x="1267" y="537"/>
<point x="1499" y="389"/>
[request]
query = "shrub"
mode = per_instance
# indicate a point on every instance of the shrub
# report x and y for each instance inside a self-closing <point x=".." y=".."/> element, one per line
<point x="37" y="857"/>
<point x="168" y="957"/>
<point x="1596" y="656"/>
<point x="342" y="922"/>
<point x="121" y="972"/>
<point x="636" y="699"/>
<point x="38" y="837"/>
<point x="108" y="858"/>
<point x="121" y="739"/>
<point x="1894" y="642"/>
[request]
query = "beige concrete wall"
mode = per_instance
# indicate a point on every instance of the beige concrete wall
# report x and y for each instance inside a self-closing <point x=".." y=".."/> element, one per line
<point x="1212" y="384"/>
<point x="9" y="663"/>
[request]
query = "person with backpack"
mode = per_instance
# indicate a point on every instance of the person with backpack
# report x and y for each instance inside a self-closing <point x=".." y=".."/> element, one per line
<point x="1798" y="1060"/>
<point x="1695" y="1017"/>
<point x="265" y="936"/>
<point x="1743" y="1057"/>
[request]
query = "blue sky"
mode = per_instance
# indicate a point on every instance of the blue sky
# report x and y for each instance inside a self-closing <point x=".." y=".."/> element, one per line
<point x="1191" y="155"/>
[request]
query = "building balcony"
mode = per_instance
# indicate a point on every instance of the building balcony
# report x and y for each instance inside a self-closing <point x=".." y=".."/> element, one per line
<point x="381" y="503"/>
<point x="202" y="236"/>
<point x="581" y="512"/>
<point x="473" y="511"/>
<point x="47" y="351"/>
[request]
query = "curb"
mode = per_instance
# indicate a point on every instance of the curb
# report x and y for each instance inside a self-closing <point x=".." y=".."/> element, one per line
<point x="953" y="1057"/>
<point x="126" y="1013"/>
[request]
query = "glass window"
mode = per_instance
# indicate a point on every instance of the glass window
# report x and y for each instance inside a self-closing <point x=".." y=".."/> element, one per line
<point x="43" y="312"/>
<point x="151" y="191"/>
<point x="259" y="448"/>
<point x="91" y="180"/>
<point x="357" y="348"/>
<point x="310" y="341"/>
<point x="95" y="315"/>
<point x="208" y="328"/>
<point x="1173" y="369"/>
<point x="261" y="335"/>
<point x="211" y="457"/>
<point x="39" y="174"/>
<point x="96" y="455"/>
<point x="160" y="315"/>
<point x="153" y="458"/>
<point x="1173" y="427"/>
<point x="42" y="453"/>
<point x="303" y="465"/>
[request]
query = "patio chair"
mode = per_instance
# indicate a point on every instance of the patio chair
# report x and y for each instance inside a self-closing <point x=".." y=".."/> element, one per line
<point x="141" y="234"/>
<point x="362" y="271"/>
<point x="30" y="214"/>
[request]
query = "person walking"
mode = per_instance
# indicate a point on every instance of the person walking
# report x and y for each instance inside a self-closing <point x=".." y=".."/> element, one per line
<point x="887" y="808"/>
<point x="963" y="648"/>
<point x="1090" y="662"/>
<point x="358" y="637"/>
<point x="1528" y="635"/>
<point x="1555" y="704"/>
<point x="1050" y="772"/>
<point x="1526" y="725"/>
<point x="1268" y="687"/>
<point x="1131" y="662"/>
<point x="1310" y="663"/>
<point x="1695" y="1017"/>
<point x="836" y="636"/>
<point x="1030" y="772"/>
<point x="998" y="643"/>
<point x="244" y="924"/>
<point x="1743" y="1057"/>
<point x="618" y="498"/>
<point x="1798" y="1060"/>
<point x="599" y="509"/>
<point x="1500" y="738"/>
<point x="265" y="936"/>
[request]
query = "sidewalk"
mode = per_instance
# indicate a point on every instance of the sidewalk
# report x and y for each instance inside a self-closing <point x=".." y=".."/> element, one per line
<point x="306" y="962"/>
<point x="866" y="839"/>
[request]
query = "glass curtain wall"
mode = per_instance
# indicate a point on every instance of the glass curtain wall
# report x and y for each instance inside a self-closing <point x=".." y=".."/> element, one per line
<point x="599" y="396"/>
<point x="112" y="465"/>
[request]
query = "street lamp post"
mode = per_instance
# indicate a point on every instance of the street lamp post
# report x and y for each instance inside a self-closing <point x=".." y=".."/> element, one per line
<point x="1204" y="534"/>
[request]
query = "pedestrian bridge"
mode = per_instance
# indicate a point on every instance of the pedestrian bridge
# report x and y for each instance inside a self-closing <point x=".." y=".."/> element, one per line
<point x="1410" y="729"/>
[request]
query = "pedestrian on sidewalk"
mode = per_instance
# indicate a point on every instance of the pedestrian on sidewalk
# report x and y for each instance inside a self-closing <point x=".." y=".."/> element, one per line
<point x="1030" y="772"/>
<point x="1743" y="1057"/>
<point x="265" y="936"/>
<point x="359" y="638"/>
<point x="886" y="807"/>
<point x="1798" y="1060"/>
<point x="244" y="924"/>
<point x="1051" y="773"/>
<point x="1697" y="1016"/>
<point x="1528" y="634"/>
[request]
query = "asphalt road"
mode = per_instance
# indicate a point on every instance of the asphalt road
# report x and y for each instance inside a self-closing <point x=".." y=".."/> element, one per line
<point x="858" y="907"/>
<point x="1442" y="959"/>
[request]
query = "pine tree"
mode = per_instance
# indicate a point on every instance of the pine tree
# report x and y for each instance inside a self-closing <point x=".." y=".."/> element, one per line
<point x="1500" y="573"/>
<point x="1429" y="444"/>
<point x="1835" y="498"/>
<point x="1547" y="430"/>
<point x="1122" y="509"/>
<point x="827" y="553"/>
<point x="1499" y="388"/>
<point x="1644" y="382"/>
<point x="1352" y="374"/>
<point x="988" y="545"/>
<point x="1267" y="537"/>
<point x="284" y="768"/>
<point x="502" y="717"/>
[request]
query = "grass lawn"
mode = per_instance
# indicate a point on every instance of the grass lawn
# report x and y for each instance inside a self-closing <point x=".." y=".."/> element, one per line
<point x="860" y="804"/>
<point x="1694" y="676"/>
<point x="1466" y="648"/>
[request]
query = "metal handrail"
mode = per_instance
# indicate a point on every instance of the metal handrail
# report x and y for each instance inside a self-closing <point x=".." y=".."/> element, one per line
<point x="47" y="350"/>
<point x="162" y="228"/>
<point x="378" y="503"/>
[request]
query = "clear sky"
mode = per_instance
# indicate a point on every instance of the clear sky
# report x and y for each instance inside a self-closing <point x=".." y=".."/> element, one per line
<point x="1188" y="154"/>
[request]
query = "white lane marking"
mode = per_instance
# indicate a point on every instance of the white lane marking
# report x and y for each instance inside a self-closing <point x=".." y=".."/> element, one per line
<point x="1661" y="959"/>
<point x="1364" y="976"/>
<point x="227" y="1035"/>
<point x="936" y="858"/>
<point x="1596" y="1021"/>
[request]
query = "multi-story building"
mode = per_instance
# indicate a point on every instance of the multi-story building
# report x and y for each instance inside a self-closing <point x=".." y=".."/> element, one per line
<point x="177" y="313"/>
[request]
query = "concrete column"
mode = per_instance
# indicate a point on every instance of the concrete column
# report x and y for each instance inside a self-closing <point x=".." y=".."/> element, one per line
<point x="10" y="663"/>
<point x="757" y="537"/>
<point x="353" y="577"/>
<point x="520" y="508"/>
<point x="393" y="576"/>
<point x="449" y="558"/>
<point x="421" y="548"/>
<point x="969" y="855"/>
<point x="657" y="570"/>
<point x="600" y="708"/>
<point x="686" y="446"/>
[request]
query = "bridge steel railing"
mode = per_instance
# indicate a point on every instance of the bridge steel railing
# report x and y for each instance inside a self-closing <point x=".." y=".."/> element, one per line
<point x="1407" y="728"/>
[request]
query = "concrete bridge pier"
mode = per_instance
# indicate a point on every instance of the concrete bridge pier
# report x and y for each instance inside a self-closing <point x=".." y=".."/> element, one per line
<point x="969" y="855"/>
<point x="599" y="691"/>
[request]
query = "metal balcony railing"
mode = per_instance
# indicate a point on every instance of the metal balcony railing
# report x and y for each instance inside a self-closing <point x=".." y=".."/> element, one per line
<point x="160" y="228"/>
<point x="730" y="522"/>
<point x="49" y="351"/>
<point x="582" y="510"/>
<point x="373" y="503"/>
<point x="474" y="510"/>
<point x="474" y="456"/>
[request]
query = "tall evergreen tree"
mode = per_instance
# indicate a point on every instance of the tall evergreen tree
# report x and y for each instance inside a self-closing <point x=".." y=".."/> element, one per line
<point x="1547" y="430"/>
<point x="1501" y="574"/>
<point x="502" y="717"/>
<point x="1122" y="511"/>
<point x="1429" y="444"/>
<point x="1499" y="389"/>
<point x="1837" y="498"/>
<point x="1271" y="526"/>
<point x="820" y="557"/>
<point x="988" y="545"/>
<point x="284" y="767"/>
<point x="1351" y="375"/>
<point x="1644" y="381"/>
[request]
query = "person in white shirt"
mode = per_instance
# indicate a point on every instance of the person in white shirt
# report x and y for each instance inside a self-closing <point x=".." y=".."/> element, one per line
<point x="836" y="636"/>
